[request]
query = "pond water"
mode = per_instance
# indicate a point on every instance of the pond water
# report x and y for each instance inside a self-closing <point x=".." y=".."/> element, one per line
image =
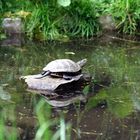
<point x="111" y="113"/>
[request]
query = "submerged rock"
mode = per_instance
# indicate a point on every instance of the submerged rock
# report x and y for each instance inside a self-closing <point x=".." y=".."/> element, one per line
<point x="13" y="40"/>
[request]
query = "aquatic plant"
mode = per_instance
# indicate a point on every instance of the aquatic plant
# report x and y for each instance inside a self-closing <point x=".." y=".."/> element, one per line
<point x="46" y="124"/>
<point x="8" y="132"/>
<point x="43" y="131"/>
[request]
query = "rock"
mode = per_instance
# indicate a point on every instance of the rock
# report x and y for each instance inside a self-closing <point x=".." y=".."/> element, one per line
<point x="58" y="92"/>
<point x="46" y="83"/>
<point x="12" y="25"/>
<point x="107" y="22"/>
<point x="13" y="29"/>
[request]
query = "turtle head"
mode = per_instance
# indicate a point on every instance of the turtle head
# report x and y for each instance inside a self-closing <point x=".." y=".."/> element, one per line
<point x="82" y="62"/>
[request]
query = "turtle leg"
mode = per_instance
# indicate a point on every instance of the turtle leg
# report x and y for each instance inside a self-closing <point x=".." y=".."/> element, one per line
<point x="43" y="74"/>
<point x="66" y="77"/>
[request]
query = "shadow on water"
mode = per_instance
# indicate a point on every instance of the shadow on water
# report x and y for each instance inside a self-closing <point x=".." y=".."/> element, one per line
<point x="112" y="111"/>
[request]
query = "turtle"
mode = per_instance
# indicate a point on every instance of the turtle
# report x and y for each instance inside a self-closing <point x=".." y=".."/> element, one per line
<point x="63" y="68"/>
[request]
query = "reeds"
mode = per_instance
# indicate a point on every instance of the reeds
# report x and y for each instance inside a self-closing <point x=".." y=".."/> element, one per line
<point x="49" y="128"/>
<point x="8" y="132"/>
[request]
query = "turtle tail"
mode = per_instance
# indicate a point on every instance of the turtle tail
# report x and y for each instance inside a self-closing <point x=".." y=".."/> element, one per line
<point x="82" y="62"/>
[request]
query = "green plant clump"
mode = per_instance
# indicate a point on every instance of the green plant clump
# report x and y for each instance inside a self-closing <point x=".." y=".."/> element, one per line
<point x="81" y="19"/>
<point x="127" y="15"/>
<point x="45" y="124"/>
<point x="52" y="21"/>
<point x="42" y="24"/>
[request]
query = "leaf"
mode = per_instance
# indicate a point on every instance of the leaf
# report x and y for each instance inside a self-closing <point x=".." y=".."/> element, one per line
<point x="64" y="2"/>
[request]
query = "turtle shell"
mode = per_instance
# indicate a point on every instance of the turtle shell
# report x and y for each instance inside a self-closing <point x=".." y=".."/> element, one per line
<point x="62" y="65"/>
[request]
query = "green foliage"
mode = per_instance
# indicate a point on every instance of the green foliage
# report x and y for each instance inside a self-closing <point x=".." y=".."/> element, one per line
<point x="45" y="124"/>
<point x="10" y="5"/>
<point x="81" y="19"/>
<point x="42" y="24"/>
<point x="56" y="19"/>
<point x="43" y="115"/>
<point x="48" y="21"/>
<point x="127" y="15"/>
<point x="8" y="132"/>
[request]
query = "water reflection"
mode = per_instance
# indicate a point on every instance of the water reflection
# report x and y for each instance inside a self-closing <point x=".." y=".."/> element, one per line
<point x="113" y="111"/>
<point x="59" y="92"/>
<point x="4" y="95"/>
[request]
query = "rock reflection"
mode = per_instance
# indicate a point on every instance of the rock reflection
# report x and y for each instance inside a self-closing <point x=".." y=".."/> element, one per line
<point x="4" y="95"/>
<point x="63" y="96"/>
<point x="64" y="100"/>
<point x="58" y="92"/>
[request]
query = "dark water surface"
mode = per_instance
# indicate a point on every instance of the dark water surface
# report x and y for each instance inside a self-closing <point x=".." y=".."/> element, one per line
<point x="111" y="114"/>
